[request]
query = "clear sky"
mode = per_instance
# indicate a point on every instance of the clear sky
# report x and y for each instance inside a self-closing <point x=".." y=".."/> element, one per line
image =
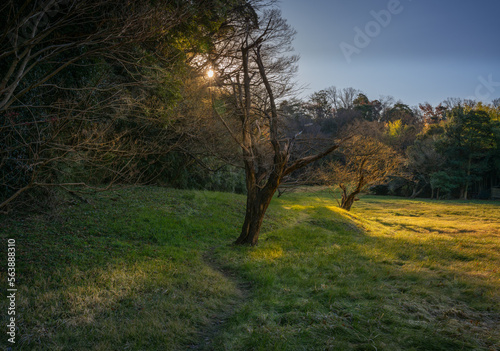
<point x="414" y="50"/>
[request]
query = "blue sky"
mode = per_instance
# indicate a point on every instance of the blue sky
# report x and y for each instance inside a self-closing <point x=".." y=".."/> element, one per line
<point x="414" y="50"/>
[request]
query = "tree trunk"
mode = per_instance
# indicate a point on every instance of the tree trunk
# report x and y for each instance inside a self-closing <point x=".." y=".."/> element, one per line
<point x="348" y="200"/>
<point x="417" y="191"/>
<point x="257" y="204"/>
<point x="258" y="200"/>
<point x="465" y="193"/>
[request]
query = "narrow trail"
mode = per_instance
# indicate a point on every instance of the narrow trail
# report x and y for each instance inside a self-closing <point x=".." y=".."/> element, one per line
<point x="242" y="292"/>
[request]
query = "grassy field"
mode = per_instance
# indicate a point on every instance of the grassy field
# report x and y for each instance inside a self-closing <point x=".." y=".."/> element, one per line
<point x="153" y="269"/>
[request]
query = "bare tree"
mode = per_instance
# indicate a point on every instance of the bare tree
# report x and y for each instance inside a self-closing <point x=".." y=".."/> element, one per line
<point x="41" y="36"/>
<point x="342" y="98"/>
<point x="386" y="103"/>
<point x="363" y="162"/>
<point x="253" y="66"/>
<point x="452" y="102"/>
<point x="496" y="102"/>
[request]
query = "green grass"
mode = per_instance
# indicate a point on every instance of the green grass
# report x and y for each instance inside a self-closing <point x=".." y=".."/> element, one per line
<point x="153" y="269"/>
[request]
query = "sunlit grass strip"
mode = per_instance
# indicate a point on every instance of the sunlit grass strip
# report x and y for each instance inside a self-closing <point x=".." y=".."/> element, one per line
<point x="367" y="280"/>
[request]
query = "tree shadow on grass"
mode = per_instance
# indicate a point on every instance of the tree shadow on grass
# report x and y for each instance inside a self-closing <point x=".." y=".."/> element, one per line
<point x="325" y="282"/>
<point x="441" y="294"/>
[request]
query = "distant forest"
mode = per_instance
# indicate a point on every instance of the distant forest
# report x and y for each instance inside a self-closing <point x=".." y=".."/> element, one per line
<point x="447" y="151"/>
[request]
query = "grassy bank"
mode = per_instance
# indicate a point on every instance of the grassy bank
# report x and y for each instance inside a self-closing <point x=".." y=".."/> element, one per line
<point x="152" y="269"/>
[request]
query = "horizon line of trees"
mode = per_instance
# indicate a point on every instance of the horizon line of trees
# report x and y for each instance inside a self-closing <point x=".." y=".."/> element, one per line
<point x="451" y="150"/>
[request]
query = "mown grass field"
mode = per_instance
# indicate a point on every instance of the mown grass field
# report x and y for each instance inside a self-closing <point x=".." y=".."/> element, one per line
<point x="153" y="269"/>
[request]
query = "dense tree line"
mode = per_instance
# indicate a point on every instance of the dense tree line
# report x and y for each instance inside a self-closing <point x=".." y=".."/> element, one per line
<point x="445" y="151"/>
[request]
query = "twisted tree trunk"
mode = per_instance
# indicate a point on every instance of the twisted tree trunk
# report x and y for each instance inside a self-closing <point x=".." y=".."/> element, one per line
<point x="347" y="200"/>
<point x="258" y="201"/>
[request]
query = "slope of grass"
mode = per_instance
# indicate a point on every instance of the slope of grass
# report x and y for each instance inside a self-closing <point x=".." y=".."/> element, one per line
<point x="373" y="278"/>
<point x="130" y="272"/>
<point x="123" y="273"/>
